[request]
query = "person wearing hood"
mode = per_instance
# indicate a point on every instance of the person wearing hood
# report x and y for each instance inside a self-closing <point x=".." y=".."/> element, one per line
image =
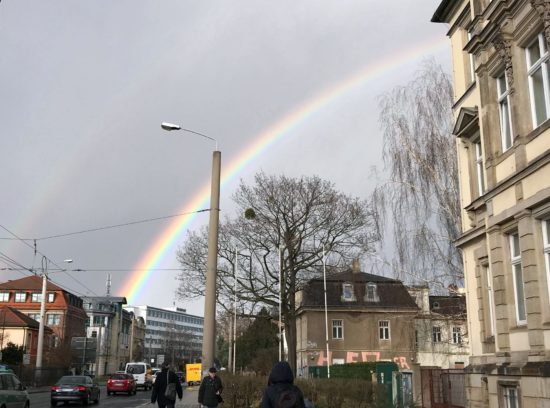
<point x="281" y="391"/>
<point x="164" y="377"/>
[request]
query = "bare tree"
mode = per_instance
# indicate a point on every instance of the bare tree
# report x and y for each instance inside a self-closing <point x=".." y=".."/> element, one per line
<point x="419" y="206"/>
<point x="281" y="227"/>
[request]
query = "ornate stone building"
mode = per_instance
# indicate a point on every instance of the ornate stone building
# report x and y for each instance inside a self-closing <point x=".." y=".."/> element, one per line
<point x="501" y="77"/>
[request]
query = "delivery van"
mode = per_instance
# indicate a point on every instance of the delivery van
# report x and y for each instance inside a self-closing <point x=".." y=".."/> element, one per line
<point x="142" y="373"/>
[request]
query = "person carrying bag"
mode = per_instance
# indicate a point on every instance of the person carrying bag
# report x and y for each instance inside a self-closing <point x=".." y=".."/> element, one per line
<point x="166" y="388"/>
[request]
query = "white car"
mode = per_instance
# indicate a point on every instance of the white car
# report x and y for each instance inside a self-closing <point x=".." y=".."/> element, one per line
<point x="12" y="392"/>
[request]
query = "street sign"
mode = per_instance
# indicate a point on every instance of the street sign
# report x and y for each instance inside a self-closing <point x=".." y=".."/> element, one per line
<point x="160" y="359"/>
<point x="26" y="359"/>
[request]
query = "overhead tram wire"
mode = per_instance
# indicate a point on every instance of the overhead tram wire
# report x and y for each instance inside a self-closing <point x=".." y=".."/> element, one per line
<point x="104" y="227"/>
<point x="47" y="260"/>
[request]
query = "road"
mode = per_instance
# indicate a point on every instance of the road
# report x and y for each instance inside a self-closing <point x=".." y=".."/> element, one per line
<point x="141" y="399"/>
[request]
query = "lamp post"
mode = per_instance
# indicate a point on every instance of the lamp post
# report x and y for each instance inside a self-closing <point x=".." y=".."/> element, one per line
<point x="209" y="333"/>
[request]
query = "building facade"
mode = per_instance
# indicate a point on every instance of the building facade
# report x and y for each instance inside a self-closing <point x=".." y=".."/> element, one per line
<point x="109" y="329"/>
<point x="171" y="333"/>
<point x="502" y="92"/>
<point x="370" y="318"/>
<point x="441" y="333"/>
<point x="64" y="313"/>
<point x="21" y="330"/>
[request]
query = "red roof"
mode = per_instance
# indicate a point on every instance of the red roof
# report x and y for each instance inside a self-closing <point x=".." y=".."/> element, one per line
<point x="10" y="317"/>
<point x="29" y="283"/>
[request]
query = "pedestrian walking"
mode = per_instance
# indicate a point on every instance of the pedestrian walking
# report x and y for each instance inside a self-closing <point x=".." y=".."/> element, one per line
<point x="281" y="391"/>
<point x="166" y="388"/>
<point x="210" y="391"/>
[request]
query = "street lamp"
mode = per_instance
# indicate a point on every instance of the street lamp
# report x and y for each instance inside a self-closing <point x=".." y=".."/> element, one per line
<point x="209" y="333"/>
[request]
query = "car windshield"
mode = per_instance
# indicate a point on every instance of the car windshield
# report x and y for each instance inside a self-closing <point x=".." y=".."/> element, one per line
<point x="135" y="368"/>
<point x="73" y="379"/>
<point x="119" y="376"/>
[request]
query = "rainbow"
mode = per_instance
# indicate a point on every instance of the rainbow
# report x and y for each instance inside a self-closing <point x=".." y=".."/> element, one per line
<point x="167" y="240"/>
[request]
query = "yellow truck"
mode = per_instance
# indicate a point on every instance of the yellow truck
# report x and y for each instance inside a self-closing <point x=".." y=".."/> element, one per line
<point x="193" y="373"/>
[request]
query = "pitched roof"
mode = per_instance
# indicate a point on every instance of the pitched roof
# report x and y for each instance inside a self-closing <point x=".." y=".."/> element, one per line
<point x="29" y="283"/>
<point x="10" y="317"/>
<point x="391" y="292"/>
<point x="448" y="305"/>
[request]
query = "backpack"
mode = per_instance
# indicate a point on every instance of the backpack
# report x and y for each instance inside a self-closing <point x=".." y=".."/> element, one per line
<point x="287" y="399"/>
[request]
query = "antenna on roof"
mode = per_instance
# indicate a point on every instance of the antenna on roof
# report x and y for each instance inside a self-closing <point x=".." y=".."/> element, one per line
<point x="108" y="284"/>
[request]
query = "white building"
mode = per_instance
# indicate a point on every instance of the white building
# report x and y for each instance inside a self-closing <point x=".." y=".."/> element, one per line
<point x="170" y="332"/>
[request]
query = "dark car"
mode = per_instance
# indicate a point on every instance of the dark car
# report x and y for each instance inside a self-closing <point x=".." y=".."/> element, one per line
<point x="121" y="382"/>
<point x="78" y="388"/>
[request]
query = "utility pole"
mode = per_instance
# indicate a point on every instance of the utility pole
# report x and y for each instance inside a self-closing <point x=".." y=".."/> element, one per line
<point x="40" y="347"/>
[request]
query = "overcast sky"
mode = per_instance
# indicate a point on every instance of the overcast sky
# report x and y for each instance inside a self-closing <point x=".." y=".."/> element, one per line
<point x="84" y="87"/>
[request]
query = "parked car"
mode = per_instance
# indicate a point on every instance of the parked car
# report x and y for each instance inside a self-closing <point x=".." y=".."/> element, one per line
<point x="12" y="391"/>
<point x="121" y="382"/>
<point x="79" y="388"/>
<point x="142" y="374"/>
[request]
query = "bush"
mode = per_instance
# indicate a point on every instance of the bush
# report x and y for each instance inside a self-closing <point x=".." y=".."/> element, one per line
<point x="242" y="391"/>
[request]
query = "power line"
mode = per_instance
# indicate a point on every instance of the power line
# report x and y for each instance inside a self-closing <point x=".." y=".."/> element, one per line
<point x="44" y="257"/>
<point x="105" y="227"/>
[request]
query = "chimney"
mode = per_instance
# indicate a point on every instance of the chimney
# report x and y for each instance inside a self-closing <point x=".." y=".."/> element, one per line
<point x="356" y="266"/>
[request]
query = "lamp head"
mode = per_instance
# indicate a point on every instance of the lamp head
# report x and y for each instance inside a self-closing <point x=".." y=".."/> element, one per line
<point x="169" y="126"/>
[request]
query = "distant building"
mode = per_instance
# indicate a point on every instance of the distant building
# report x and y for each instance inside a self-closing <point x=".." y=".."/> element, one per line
<point x="109" y="325"/>
<point x="137" y="338"/>
<point x="501" y="79"/>
<point x="171" y="333"/>
<point x="64" y="313"/>
<point x="21" y="330"/>
<point x="370" y="318"/>
<point x="441" y="330"/>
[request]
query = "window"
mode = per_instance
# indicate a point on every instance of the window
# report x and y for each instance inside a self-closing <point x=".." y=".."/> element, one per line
<point x="4" y="296"/>
<point x="509" y="396"/>
<point x="517" y="273"/>
<point x="479" y="168"/>
<point x="546" y="241"/>
<point x="347" y="292"/>
<point x="436" y="334"/>
<point x="337" y="329"/>
<point x="36" y="297"/>
<point x="20" y="297"/>
<point x="491" y="301"/>
<point x="457" y="335"/>
<point x="53" y="319"/>
<point x="35" y="316"/>
<point x="371" y="294"/>
<point x="384" y="329"/>
<point x="537" y="63"/>
<point x="504" y="112"/>
<point x="51" y="297"/>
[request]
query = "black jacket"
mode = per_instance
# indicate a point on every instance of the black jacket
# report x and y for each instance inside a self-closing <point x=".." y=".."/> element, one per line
<point x="208" y="390"/>
<point x="160" y="386"/>
<point x="281" y="380"/>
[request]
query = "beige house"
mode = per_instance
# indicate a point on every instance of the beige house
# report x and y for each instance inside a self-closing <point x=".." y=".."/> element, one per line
<point x="501" y="80"/>
<point x="441" y="333"/>
<point x="370" y="318"/>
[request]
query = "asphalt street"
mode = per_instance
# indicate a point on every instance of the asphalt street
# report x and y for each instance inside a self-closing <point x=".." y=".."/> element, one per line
<point x="141" y="399"/>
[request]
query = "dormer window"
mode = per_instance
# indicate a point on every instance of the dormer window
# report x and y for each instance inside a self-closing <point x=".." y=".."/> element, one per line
<point x="347" y="293"/>
<point x="371" y="293"/>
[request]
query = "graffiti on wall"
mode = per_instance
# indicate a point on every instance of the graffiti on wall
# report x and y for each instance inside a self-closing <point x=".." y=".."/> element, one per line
<point x="364" y="356"/>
